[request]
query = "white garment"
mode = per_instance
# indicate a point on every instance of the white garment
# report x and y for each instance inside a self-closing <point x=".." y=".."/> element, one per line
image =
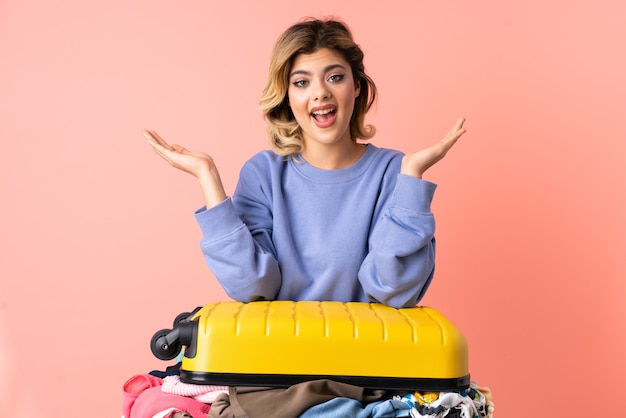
<point x="202" y="393"/>
<point x="165" y="413"/>
<point x="448" y="401"/>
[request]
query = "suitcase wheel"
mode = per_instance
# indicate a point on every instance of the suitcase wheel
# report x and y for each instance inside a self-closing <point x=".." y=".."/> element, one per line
<point x="161" y="348"/>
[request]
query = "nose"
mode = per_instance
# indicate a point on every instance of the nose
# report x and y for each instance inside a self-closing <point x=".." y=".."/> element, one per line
<point x="321" y="92"/>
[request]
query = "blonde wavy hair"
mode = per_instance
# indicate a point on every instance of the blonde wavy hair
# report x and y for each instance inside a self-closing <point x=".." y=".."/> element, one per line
<point x="307" y="37"/>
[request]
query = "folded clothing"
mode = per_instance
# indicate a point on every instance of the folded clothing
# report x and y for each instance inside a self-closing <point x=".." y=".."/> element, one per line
<point x="143" y="397"/>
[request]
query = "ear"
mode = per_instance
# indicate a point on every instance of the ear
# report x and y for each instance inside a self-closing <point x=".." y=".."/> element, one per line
<point x="357" y="88"/>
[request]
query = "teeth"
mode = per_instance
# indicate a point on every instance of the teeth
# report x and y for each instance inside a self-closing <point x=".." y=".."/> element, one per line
<point x="323" y="111"/>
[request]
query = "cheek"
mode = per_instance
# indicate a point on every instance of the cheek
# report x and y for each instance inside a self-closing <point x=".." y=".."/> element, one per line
<point x="297" y="104"/>
<point x="350" y="101"/>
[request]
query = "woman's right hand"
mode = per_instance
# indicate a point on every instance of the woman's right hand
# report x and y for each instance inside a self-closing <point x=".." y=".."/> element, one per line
<point x="198" y="164"/>
<point x="194" y="163"/>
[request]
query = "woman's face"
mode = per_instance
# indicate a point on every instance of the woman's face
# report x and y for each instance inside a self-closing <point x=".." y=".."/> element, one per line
<point x="321" y="95"/>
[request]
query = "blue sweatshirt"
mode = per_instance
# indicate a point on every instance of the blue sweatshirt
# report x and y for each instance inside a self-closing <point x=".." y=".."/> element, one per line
<point x="295" y="232"/>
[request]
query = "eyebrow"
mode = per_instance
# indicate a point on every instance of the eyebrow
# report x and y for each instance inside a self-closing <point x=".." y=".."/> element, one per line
<point x="326" y="69"/>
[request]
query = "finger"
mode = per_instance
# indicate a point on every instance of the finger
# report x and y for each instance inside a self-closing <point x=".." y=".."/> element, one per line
<point x="453" y="135"/>
<point x="452" y="138"/>
<point x="153" y="144"/>
<point x="159" y="140"/>
<point x="152" y="138"/>
<point x="159" y="149"/>
<point x="152" y="141"/>
<point x="459" y="133"/>
<point x="156" y="136"/>
<point x="450" y="141"/>
<point x="458" y="125"/>
<point x="179" y="148"/>
<point x="164" y="153"/>
<point x="457" y="130"/>
<point x="146" y="134"/>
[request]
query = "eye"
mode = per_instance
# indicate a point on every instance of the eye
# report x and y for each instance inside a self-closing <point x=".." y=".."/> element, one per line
<point x="335" y="78"/>
<point x="300" y="83"/>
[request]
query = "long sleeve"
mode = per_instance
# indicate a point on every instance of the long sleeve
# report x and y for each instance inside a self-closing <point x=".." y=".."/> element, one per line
<point x="401" y="259"/>
<point x="246" y="269"/>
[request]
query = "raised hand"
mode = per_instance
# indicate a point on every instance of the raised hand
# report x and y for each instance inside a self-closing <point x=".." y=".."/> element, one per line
<point x="198" y="164"/>
<point x="194" y="163"/>
<point x="417" y="163"/>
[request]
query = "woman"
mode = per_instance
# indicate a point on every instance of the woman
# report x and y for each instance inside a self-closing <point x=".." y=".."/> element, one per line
<point x="321" y="216"/>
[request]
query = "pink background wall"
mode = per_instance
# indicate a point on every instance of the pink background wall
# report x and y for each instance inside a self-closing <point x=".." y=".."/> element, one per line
<point x="99" y="248"/>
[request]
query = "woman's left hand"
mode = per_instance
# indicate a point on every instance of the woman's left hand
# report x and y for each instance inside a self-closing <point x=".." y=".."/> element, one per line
<point x="417" y="163"/>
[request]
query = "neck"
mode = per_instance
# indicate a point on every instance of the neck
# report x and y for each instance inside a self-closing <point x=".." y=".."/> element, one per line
<point x="333" y="157"/>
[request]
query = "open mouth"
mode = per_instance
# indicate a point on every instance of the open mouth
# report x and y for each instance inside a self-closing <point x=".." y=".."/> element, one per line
<point x="324" y="117"/>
